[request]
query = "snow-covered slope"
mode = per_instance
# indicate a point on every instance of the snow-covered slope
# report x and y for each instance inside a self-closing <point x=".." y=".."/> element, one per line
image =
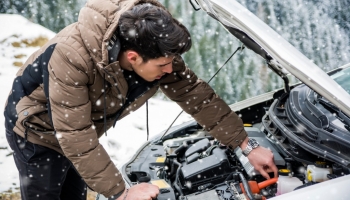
<point x="18" y="39"/>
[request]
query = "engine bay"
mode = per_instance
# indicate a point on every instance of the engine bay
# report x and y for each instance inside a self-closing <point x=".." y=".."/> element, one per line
<point x="199" y="167"/>
<point x="189" y="164"/>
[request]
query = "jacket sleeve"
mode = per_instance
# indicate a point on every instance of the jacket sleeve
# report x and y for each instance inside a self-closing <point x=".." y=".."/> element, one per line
<point x="71" y="117"/>
<point x="199" y="100"/>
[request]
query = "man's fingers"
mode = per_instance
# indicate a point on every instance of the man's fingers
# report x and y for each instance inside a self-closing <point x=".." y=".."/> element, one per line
<point x="264" y="173"/>
<point x="275" y="170"/>
<point x="271" y="168"/>
<point x="262" y="160"/>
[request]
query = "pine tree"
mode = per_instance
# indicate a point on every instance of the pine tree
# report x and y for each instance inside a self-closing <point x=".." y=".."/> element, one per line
<point x="52" y="14"/>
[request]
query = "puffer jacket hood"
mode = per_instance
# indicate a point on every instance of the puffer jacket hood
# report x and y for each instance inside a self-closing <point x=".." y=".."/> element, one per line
<point x="67" y="92"/>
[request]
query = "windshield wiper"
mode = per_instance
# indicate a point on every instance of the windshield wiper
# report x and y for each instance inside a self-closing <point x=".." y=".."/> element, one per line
<point x="341" y="116"/>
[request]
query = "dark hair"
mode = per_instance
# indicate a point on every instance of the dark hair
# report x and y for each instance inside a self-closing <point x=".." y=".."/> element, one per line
<point x="152" y="32"/>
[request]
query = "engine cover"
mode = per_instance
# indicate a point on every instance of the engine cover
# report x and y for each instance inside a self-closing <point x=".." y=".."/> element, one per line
<point x="212" y="169"/>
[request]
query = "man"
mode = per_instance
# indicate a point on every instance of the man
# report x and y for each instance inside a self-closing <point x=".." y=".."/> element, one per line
<point x="93" y="73"/>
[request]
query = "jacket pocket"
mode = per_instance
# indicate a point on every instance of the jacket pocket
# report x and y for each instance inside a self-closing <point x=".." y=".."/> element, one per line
<point x="38" y="123"/>
<point x="33" y="116"/>
<point x="23" y="150"/>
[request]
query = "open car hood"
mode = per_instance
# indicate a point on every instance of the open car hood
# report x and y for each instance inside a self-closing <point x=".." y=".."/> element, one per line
<point x="278" y="52"/>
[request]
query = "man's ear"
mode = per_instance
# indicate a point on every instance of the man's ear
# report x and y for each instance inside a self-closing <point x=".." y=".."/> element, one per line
<point x="133" y="57"/>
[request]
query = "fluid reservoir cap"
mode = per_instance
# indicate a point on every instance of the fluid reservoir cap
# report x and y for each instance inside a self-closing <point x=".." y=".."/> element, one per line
<point x="283" y="172"/>
<point x="320" y="164"/>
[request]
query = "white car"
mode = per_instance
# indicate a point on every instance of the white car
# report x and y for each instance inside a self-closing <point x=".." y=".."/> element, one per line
<point x="306" y="125"/>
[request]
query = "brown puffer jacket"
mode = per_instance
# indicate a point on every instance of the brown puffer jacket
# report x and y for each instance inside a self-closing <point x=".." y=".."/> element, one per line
<point x="58" y="97"/>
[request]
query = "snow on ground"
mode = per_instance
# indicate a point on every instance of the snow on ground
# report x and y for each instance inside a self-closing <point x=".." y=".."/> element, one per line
<point x="120" y="142"/>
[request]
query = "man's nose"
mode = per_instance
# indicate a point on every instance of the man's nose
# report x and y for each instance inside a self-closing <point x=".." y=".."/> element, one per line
<point x="168" y="68"/>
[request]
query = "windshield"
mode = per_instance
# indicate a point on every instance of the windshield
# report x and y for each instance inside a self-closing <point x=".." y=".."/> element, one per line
<point x="343" y="79"/>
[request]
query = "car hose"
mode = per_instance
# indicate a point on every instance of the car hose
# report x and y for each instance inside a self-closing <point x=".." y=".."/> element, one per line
<point x="178" y="188"/>
<point x="176" y="151"/>
<point x="246" y="186"/>
<point x="172" y="169"/>
<point x="181" y="147"/>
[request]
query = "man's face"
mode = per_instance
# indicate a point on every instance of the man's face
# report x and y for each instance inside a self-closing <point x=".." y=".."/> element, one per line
<point x="154" y="68"/>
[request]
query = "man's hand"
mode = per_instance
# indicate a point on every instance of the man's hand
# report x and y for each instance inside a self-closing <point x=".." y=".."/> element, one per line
<point x="142" y="191"/>
<point x="262" y="160"/>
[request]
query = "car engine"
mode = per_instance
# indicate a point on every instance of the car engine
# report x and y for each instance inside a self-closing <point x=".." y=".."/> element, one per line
<point x="189" y="164"/>
<point x="198" y="167"/>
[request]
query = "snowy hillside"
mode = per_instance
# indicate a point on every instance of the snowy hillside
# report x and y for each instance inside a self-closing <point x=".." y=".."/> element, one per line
<point x="18" y="39"/>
